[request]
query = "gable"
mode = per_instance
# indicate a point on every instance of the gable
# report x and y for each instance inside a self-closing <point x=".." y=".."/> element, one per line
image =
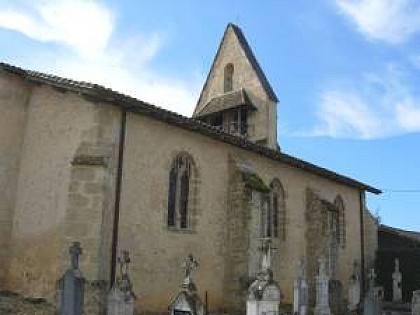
<point x="234" y="50"/>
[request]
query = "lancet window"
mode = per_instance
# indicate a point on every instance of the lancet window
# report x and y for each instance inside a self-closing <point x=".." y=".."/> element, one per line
<point x="179" y="192"/>
<point x="276" y="219"/>
<point x="228" y="78"/>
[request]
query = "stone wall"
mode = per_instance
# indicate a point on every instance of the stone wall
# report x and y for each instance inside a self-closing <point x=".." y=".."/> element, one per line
<point x="59" y="198"/>
<point x="217" y="238"/>
<point x="13" y="106"/>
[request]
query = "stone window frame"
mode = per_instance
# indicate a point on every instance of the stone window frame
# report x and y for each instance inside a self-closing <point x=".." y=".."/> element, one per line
<point x="192" y="203"/>
<point x="277" y="215"/>
<point x="228" y="73"/>
<point x="340" y="205"/>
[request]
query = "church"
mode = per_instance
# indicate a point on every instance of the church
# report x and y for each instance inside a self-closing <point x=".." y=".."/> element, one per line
<point x="80" y="162"/>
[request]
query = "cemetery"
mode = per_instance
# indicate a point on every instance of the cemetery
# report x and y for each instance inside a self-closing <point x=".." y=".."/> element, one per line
<point x="263" y="297"/>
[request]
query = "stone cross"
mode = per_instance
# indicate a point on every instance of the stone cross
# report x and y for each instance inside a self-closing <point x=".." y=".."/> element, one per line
<point x="354" y="288"/>
<point x="300" y="290"/>
<point x="371" y="277"/>
<point x="75" y="252"/>
<point x="301" y="268"/>
<point x="188" y="265"/>
<point x="322" y="306"/>
<point x="72" y="285"/>
<point x="266" y="253"/>
<point x="396" y="283"/>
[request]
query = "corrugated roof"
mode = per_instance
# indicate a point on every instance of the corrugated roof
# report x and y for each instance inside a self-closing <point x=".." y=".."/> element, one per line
<point x="98" y="93"/>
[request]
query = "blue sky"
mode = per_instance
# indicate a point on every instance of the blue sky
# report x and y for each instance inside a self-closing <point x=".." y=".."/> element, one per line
<point x="347" y="72"/>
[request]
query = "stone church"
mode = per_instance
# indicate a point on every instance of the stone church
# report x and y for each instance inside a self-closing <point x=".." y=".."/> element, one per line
<point x="80" y="162"/>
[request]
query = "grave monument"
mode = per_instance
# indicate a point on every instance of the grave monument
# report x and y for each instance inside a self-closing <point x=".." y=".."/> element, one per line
<point x="187" y="302"/>
<point x="121" y="298"/>
<point x="264" y="293"/>
<point x="72" y="285"/>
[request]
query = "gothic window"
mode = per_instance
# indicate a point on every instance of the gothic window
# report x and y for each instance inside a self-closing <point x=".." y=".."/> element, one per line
<point x="341" y="220"/>
<point x="228" y="78"/>
<point x="179" y="192"/>
<point x="276" y="219"/>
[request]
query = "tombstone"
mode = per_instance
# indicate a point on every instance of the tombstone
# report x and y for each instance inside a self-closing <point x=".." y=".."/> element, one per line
<point x="354" y="289"/>
<point x="397" y="283"/>
<point x="187" y="302"/>
<point x="415" y="303"/>
<point x="300" y="291"/>
<point x="264" y="293"/>
<point x="121" y="298"/>
<point x="72" y="285"/>
<point x="372" y="302"/>
<point x="322" y="306"/>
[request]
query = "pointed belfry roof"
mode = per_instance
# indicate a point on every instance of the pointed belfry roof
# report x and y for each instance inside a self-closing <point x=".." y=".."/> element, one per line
<point x="249" y="55"/>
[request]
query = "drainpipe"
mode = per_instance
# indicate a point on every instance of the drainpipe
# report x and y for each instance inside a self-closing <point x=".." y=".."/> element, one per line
<point x="362" y="245"/>
<point x="114" y="241"/>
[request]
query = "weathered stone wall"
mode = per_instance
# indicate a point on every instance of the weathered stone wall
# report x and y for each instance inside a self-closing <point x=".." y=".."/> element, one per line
<point x="157" y="251"/>
<point x="13" y="105"/>
<point x="58" y="198"/>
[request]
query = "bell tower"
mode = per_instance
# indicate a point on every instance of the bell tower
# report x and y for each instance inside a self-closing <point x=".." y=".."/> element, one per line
<point x="237" y="97"/>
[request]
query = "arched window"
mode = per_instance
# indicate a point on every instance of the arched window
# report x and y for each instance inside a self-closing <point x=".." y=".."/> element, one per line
<point x="339" y="204"/>
<point x="228" y="78"/>
<point x="276" y="220"/>
<point x="180" y="178"/>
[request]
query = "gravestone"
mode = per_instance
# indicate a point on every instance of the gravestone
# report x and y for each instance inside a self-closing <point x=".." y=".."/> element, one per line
<point x="372" y="301"/>
<point x="322" y="306"/>
<point x="397" y="283"/>
<point x="187" y="302"/>
<point x="72" y="285"/>
<point x="121" y="298"/>
<point x="300" y="291"/>
<point x="264" y="293"/>
<point x="415" y="303"/>
<point x="354" y="288"/>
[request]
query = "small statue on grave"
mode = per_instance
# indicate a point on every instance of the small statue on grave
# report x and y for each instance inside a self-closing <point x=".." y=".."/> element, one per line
<point x="123" y="281"/>
<point x="397" y="283"/>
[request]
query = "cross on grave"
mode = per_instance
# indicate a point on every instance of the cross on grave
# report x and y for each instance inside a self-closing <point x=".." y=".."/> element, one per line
<point x="322" y="262"/>
<point x="301" y="268"/>
<point x="371" y="277"/>
<point x="189" y="264"/>
<point x="75" y="252"/>
<point x="266" y="249"/>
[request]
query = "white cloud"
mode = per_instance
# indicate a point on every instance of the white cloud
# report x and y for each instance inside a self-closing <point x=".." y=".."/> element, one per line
<point x="87" y="47"/>
<point x="346" y="115"/>
<point x="408" y="115"/>
<point x="377" y="106"/>
<point x="392" y="21"/>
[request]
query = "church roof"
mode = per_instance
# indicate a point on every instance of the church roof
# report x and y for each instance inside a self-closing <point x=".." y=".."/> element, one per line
<point x="226" y="101"/>
<point x="98" y="93"/>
